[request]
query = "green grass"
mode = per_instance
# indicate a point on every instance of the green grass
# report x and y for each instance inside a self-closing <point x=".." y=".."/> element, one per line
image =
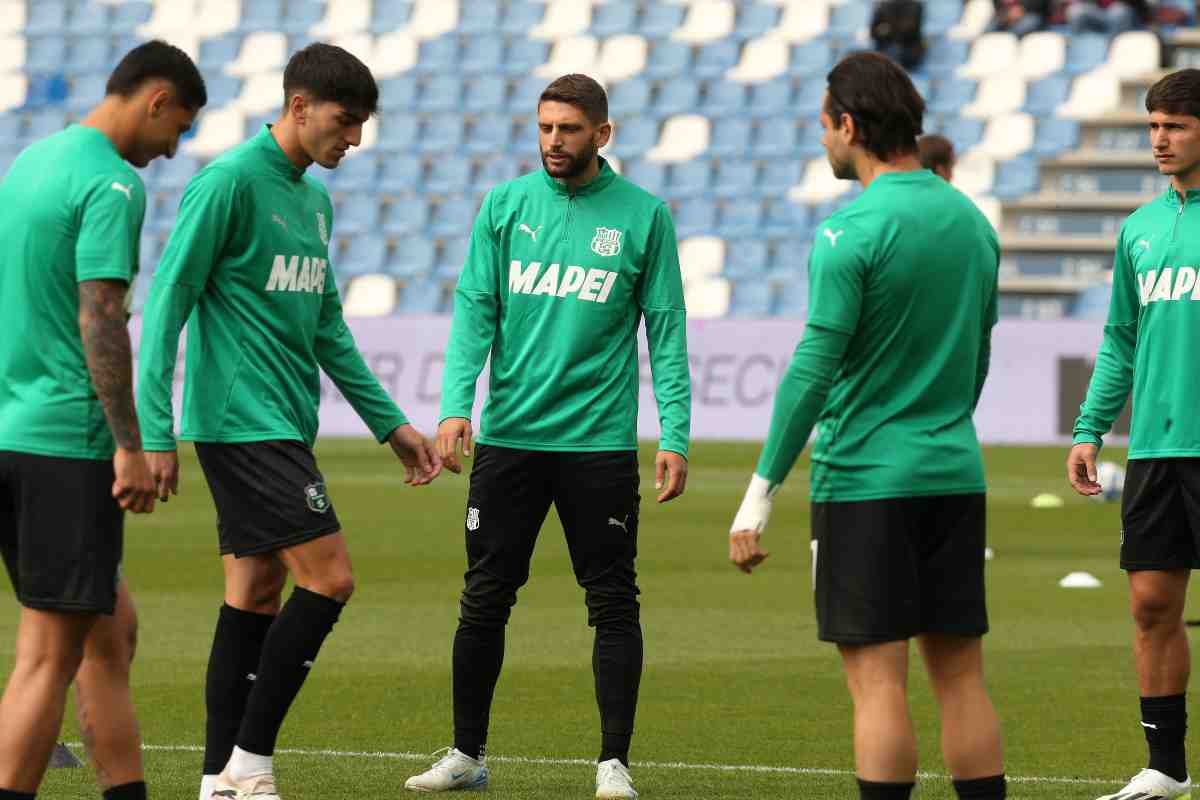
<point x="734" y="674"/>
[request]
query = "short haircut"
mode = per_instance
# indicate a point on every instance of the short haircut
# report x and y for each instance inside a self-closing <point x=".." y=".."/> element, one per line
<point x="159" y="60"/>
<point x="582" y="92"/>
<point x="1177" y="93"/>
<point x="880" y="97"/>
<point x="327" y="73"/>
<point x="935" y="151"/>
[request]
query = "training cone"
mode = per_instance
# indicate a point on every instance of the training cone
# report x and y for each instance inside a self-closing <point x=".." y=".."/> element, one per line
<point x="1080" y="580"/>
<point x="1046" y="500"/>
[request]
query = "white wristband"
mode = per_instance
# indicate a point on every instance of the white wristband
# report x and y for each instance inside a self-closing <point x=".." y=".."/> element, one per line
<point x="756" y="506"/>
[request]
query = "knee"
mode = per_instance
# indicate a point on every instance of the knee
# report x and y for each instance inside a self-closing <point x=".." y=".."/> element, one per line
<point x="1153" y="610"/>
<point x="260" y="595"/>
<point x="113" y="646"/>
<point x="487" y="602"/>
<point x="613" y="608"/>
<point x="337" y="585"/>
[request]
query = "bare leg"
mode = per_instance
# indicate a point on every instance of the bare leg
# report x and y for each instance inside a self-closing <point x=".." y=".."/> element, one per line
<point x="1160" y="645"/>
<point x="885" y="746"/>
<point x="971" y="744"/>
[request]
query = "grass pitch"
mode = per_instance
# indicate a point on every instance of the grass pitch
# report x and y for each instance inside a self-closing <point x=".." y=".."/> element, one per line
<point x="739" y="700"/>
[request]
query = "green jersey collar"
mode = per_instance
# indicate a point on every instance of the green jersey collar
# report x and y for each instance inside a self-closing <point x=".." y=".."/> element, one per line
<point x="1173" y="196"/>
<point x="605" y="177"/>
<point x="274" y="156"/>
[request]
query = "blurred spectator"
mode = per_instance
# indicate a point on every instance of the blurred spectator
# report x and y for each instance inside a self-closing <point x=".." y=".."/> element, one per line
<point x="896" y="31"/>
<point x="1106" y="16"/>
<point x="1020" y="16"/>
<point x="937" y="154"/>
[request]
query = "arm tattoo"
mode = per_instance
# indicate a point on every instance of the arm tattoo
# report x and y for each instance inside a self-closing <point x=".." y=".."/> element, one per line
<point x="102" y="324"/>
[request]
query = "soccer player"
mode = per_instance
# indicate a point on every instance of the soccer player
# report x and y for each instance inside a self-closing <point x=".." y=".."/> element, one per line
<point x="937" y="155"/>
<point x="563" y="264"/>
<point x="890" y="367"/>
<point x="71" y="460"/>
<point x="1149" y="316"/>
<point x="248" y="268"/>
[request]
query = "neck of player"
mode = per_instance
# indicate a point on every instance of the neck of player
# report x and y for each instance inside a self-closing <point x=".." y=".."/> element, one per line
<point x="288" y="138"/>
<point x="1184" y="181"/>
<point x="113" y="118"/>
<point x="870" y="168"/>
<point x="583" y="178"/>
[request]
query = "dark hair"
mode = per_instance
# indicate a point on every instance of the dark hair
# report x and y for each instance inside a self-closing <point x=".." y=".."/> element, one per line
<point x="935" y="151"/>
<point x="582" y="92"/>
<point x="880" y="97"/>
<point x="327" y="73"/>
<point x="157" y="59"/>
<point x="1177" y="93"/>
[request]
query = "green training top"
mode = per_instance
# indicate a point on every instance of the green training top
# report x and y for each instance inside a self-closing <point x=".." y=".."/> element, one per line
<point x="895" y="352"/>
<point x="247" y="268"/>
<point x="554" y="286"/>
<point x="73" y="211"/>
<point x="1152" y="320"/>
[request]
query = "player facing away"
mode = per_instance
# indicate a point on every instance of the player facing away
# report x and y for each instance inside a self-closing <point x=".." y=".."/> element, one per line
<point x="248" y="269"/>
<point x="889" y="370"/>
<point x="71" y="460"/>
<point x="1149" y="315"/>
<point x="563" y="264"/>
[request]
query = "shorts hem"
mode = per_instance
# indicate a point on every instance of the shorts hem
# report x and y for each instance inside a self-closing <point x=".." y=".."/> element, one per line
<point x="67" y="606"/>
<point x="281" y="544"/>
<point x="1146" y="566"/>
<point x="884" y="638"/>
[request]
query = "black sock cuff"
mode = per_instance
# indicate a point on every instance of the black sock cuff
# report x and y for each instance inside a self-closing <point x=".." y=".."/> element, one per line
<point x="1167" y="702"/>
<point x="127" y="791"/>
<point x="317" y="605"/>
<point x="248" y="623"/>
<point x="879" y="790"/>
<point x="994" y="787"/>
<point x="8" y="794"/>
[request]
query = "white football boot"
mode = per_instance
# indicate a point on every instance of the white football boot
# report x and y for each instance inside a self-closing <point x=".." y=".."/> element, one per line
<point x="256" y="787"/>
<point x="612" y="781"/>
<point x="452" y="772"/>
<point x="1150" y="784"/>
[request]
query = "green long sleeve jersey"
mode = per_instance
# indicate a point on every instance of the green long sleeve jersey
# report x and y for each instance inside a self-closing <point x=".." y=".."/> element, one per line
<point x="554" y="287"/>
<point x="903" y="288"/>
<point x="247" y="268"/>
<point x="1152" y="319"/>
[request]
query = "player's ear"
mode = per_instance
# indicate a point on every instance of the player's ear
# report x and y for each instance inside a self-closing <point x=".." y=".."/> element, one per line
<point x="603" y="134"/>
<point x="159" y="99"/>
<point x="298" y="107"/>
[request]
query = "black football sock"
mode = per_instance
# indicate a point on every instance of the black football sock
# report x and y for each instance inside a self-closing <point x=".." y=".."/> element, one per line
<point x="1164" y="721"/>
<point x="617" y="668"/>
<point x="871" y="790"/>
<point x="127" y="791"/>
<point x="991" y="788"/>
<point x="8" y="794"/>
<point x="478" y="658"/>
<point x="236" y="650"/>
<point x="288" y="654"/>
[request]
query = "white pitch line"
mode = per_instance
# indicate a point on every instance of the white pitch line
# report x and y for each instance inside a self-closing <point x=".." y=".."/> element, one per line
<point x="571" y="762"/>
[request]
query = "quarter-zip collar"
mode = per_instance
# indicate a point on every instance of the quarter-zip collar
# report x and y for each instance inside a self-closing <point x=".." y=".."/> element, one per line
<point x="1175" y="200"/>
<point x="602" y="180"/>
<point x="274" y="156"/>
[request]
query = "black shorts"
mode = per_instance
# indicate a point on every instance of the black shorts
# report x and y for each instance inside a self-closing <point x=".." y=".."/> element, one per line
<point x="269" y="495"/>
<point x="1160" y="514"/>
<point x="61" y="531"/>
<point x="886" y="570"/>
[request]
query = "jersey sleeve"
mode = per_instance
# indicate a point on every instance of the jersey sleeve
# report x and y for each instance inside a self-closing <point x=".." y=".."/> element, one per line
<point x="476" y="314"/>
<point x="206" y="220"/>
<point x="1112" y="376"/>
<point x="660" y="297"/>
<point x="112" y="209"/>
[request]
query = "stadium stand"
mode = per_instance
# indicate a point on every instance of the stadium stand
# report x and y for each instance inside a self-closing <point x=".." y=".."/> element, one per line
<point x="714" y="105"/>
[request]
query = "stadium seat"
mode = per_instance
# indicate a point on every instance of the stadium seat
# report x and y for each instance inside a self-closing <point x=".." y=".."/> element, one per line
<point x="523" y="55"/>
<point x="696" y="216"/>
<point x="634" y="136"/>
<point x="734" y="179"/>
<point x="370" y="296"/>
<point x="12" y="53"/>
<point x="398" y="94"/>
<point x="358" y="172"/>
<point x="1016" y="178"/>
<point x="407" y="216"/>
<point x="950" y="95"/>
<point x="1134" y="53"/>
<point x="1042" y="53"/>
<point x="358" y="214"/>
<point x="12" y="128"/>
<point x="715" y="59"/>
<point x="963" y="133"/>
<point x="627" y="98"/>
<point x="260" y="52"/>
<point x="45" y="54"/>
<point x="86" y="92"/>
<point x="659" y="20"/>
<point x="489" y="135"/>
<point x="688" y="178"/>
<point x="493" y="172"/>
<point x="809" y="144"/>
<point x="745" y="259"/>
<point x="343" y="18"/>
<point x="262" y="15"/>
<point x="479" y="17"/>
<point x="791" y="299"/>
<point x="621" y="57"/>
<point x="89" y="19"/>
<point x="778" y="177"/>
<point x="1045" y="96"/>
<point x="222" y="90"/>
<point x="818" y="185"/>
<point x="1092" y="96"/>
<point x="993" y="53"/>
<point x="452" y="217"/>
<point x="174" y="173"/>
<point x="438" y="56"/>
<point x="448" y="176"/>
<point x="45" y="92"/>
<point x="46" y="17"/>
<point x="740" y="219"/>
<point x="775" y="139"/>
<point x="452" y="255"/>
<point x="943" y="56"/>
<point x="762" y="60"/>
<point x="481" y="54"/>
<point x="217" y="131"/>
<point x="12" y="17"/>
<point x="441" y="93"/>
<point x="751" y="299"/>
<point x="730" y="137"/>
<point x="577" y="54"/>
<point x="649" y="175"/>
<point x="563" y="18"/>
<point x="810" y="59"/>
<point x="393" y="54"/>
<point x="401" y="174"/>
<point x="260" y="94"/>
<point x="521" y="17"/>
<point x="667" y="59"/>
<point x="218" y="51"/>
<point x="1008" y="136"/>
<point x="612" y="18"/>
<point x="997" y="95"/>
<point x="941" y="16"/>
<point x="303" y="15"/>
<point x="390" y="16"/>
<point x="422" y="297"/>
<point x="523" y="97"/>
<point x="801" y="22"/>
<point x="13" y="92"/>
<point x="774" y="98"/>
<point x="399" y="130"/>
<point x="784" y="218"/>
<point x="90" y="54"/>
<point x="754" y="20"/>
<point x="1055" y="137"/>
<point x="723" y="98"/>
<point x="847" y="21"/>
<point x="1085" y="52"/>
<point x="706" y="21"/>
<point x="485" y="93"/>
<point x="676" y="96"/>
<point x="977" y="16"/>
<point x="683" y="138"/>
<point x="412" y="257"/>
<point x="364" y="255"/>
<point x="433" y="18"/>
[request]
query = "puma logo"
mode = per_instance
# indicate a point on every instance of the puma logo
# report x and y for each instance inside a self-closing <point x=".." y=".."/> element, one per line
<point x="123" y="189"/>
<point x="531" y="231"/>
<point x="833" y="237"/>
<point x="622" y="524"/>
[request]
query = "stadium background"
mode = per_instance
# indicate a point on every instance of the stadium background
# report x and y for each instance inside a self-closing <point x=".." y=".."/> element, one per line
<point x="715" y="105"/>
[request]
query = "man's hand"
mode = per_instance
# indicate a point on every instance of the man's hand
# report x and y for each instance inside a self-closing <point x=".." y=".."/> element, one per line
<point x="1081" y="469"/>
<point x="416" y="453"/>
<point x="451" y="432"/>
<point x="133" y="488"/>
<point x="673" y="468"/>
<point x="744" y="551"/>
<point x="164" y="469"/>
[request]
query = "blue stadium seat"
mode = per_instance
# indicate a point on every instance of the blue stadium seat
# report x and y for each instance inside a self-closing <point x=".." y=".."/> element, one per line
<point x="486" y="93"/>
<point x="218" y="51"/>
<point x="786" y="219"/>
<point x="1015" y="178"/>
<point x="481" y="54"/>
<point x="659" y="20"/>
<point x="452" y="217"/>
<point x="448" y="176"/>
<point x="174" y="173"/>
<point x="745" y="259"/>
<point x="949" y="95"/>
<point x="791" y="300"/>
<point x="398" y="130"/>
<point x="730" y="137"/>
<point x="12" y="128"/>
<point x="944" y="55"/>
<point x="422" y="297"/>
<point x="357" y="173"/>
<point x="86" y="92"/>
<point x="845" y="21"/>
<point x="45" y="53"/>
<point x="676" y="96"/>
<point x="519" y="17"/>
<point x="302" y="15"/>
<point x="613" y="18"/>
<point x="406" y="217"/>
<point x="412" y="257"/>
<point x="1092" y="303"/>
<point x="126" y="17"/>
<point x="713" y="60"/>
<point x="316" y="171"/>
<point x="922" y="84"/>
<point x="490" y="135"/>
<point x="628" y="98"/>
<point x="359" y="214"/>
<point x="941" y="16"/>
<point x="776" y="139"/>
<point x="90" y="54"/>
<point x="45" y="122"/>
<point x="525" y="137"/>
<point x="634" y="136"/>
<point x="45" y="16"/>
<point x="441" y="93"/>
<point x="964" y="133"/>
<point x="364" y="255"/>
<point x="741" y="220"/>
<point x="89" y="19"/>
<point x="724" y="98"/>
<point x="479" y="16"/>
<point x="809" y="96"/>
<point x="1085" y="51"/>
<point x="1045" y="96"/>
<point x="438" y="56"/>
<point x="523" y="98"/>
<point x="493" y="172"/>
<point x="809" y="145"/>
<point x="695" y="216"/>
<point x="779" y="176"/>
<point x="390" y="16"/>
<point x="452" y="255"/>
<point x="222" y="89"/>
<point x="262" y="15"/>
<point x="1055" y="137"/>
<point x="810" y="59"/>
<point x="751" y="299"/>
<point x="689" y="178"/>
<point x="667" y="59"/>
<point x="755" y="19"/>
<point x="649" y="175"/>
<point x="398" y="94"/>
<point x="401" y="174"/>
<point x="524" y="55"/>
<point x="734" y="179"/>
<point x="771" y="98"/>
<point x="791" y="254"/>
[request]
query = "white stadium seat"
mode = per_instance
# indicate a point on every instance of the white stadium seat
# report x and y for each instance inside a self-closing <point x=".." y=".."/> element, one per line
<point x="431" y="18"/>
<point x="998" y="94"/>
<point x="802" y="20"/>
<point x="977" y="16"/>
<point x="762" y="60"/>
<point x="621" y="57"/>
<point x="261" y="92"/>
<point x="370" y="296"/>
<point x="1008" y="136"/>
<point x="344" y="17"/>
<point x="218" y="131"/>
<point x="683" y="138"/>
<point x="12" y="91"/>
<point x="563" y="18"/>
<point x="1092" y="95"/>
<point x="169" y="17"/>
<point x="992" y="54"/>
<point x="362" y="45"/>
<point x="974" y="173"/>
<point x="216" y="17"/>
<point x="575" y="54"/>
<point x="12" y="16"/>
<point x="12" y="53"/>
<point x="707" y="299"/>
<point x="701" y="260"/>
<point x="992" y="208"/>
<point x="1133" y="54"/>
<point x="394" y="53"/>
<point x="818" y="184"/>
<point x="1042" y="53"/>
<point x="707" y="20"/>
<point x="261" y="52"/>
